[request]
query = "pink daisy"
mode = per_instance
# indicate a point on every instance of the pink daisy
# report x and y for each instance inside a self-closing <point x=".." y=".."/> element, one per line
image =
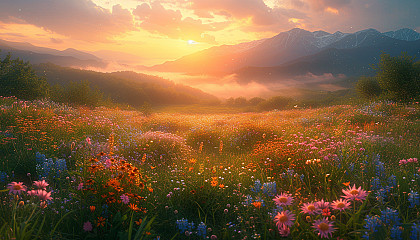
<point x="323" y="205"/>
<point x="125" y="199"/>
<point x="324" y="227"/>
<point x="340" y="204"/>
<point x="41" y="184"/>
<point x="284" y="231"/>
<point x="283" y="199"/>
<point x="16" y="188"/>
<point x="284" y="218"/>
<point x="310" y="208"/>
<point x="43" y="195"/>
<point x="31" y="192"/>
<point x="354" y="193"/>
<point x="87" y="226"/>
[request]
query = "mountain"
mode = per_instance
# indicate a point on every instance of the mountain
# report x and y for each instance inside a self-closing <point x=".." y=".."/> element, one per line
<point x="405" y="34"/>
<point x="34" y="54"/>
<point x="348" y="61"/>
<point x="126" y="87"/>
<point x="286" y="48"/>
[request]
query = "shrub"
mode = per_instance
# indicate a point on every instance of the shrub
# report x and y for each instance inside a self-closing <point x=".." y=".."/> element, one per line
<point x="399" y="77"/>
<point x="368" y="87"/>
<point x="17" y="78"/>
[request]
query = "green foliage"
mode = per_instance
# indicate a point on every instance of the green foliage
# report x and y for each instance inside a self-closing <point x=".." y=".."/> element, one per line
<point x="17" y="78"/>
<point x="399" y="77"/>
<point x="368" y="87"/>
<point x="77" y="93"/>
<point x="278" y="102"/>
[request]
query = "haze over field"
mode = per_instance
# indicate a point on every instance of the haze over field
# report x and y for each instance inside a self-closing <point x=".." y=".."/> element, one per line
<point x="226" y="48"/>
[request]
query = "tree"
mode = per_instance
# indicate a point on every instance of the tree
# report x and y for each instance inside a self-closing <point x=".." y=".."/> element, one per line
<point x="368" y="87"/>
<point x="399" y="77"/>
<point x="17" y="78"/>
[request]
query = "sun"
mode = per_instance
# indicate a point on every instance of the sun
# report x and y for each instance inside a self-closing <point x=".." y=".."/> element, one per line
<point x="191" y="42"/>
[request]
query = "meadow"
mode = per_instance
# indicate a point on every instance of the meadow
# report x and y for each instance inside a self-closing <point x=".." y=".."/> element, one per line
<point x="338" y="172"/>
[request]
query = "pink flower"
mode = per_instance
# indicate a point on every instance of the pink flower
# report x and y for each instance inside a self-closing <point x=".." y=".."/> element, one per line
<point x="340" y="205"/>
<point x="87" y="226"/>
<point x="41" y="184"/>
<point x="284" y="218"/>
<point x="88" y="141"/>
<point x="125" y="199"/>
<point x="310" y="208"/>
<point x="16" y="188"/>
<point x="31" y="192"/>
<point x="284" y="231"/>
<point x="354" y="193"/>
<point x="80" y="187"/>
<point x="43" y="195"/>
<point x="323" y="205"/>
<point x="324" y="227"/>
<point x="283" y="199"/>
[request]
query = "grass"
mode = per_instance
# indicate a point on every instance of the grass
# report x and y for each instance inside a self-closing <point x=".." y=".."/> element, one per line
<point x="116" y="174"/>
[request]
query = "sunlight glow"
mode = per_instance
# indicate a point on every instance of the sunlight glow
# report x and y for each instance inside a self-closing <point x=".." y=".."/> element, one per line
<point x="191" y="42"/>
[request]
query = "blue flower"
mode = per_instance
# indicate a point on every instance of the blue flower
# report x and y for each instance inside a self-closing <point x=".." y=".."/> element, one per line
<point x="257" y="186"/>
<point x="372" y="223"/>
<point x="415" y="232"/>
<point x="390" y="216"/>
<point x="376" y="183"/>
<point x="269" y="188"/>
<point x="392" y="181"/>
<point x="413" y="198"/>
<point x="202" y="230"/>
<point x="182" y="225"/>
<point x="396" y="233"/>
<point x="3" y="176"/>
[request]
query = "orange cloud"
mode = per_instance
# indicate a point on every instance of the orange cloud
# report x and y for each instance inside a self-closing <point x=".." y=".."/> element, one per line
<point x="332" y="10"/>
<point x="156" y="18"/>
<point x="77" y="19"/>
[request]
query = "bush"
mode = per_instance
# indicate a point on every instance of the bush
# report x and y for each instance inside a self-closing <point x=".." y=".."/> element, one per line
<point x="17" y="78"/>
<point x="399" y="77"/>
<point x="368" y="87"/>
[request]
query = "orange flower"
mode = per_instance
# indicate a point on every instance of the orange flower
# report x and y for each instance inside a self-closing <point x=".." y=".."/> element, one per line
<point x="346" y="184"/>
<point x="139" y="221"/>
<point x="150" y="189"/>
<point x="214" y="183"/>
<point x="221" y="185"/>
<point x="257" y="204"/>
<point x="133" y="207"/>
<point x="92" y="208"/>
<point x="100" y="222"/>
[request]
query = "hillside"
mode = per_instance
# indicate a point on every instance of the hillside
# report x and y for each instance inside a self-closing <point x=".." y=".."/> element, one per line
<point x="127" y="87"/>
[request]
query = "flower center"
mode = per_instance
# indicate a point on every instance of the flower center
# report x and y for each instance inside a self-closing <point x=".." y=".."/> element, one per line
<point x="354" y="192"/>
<point x="283" y="200"/>
<point x="17" y="187"/>
<point x="323" y="227"/>
<point x="283" y="218"/>
<point x="341" y="205"/>
<point x="311" y="207"/>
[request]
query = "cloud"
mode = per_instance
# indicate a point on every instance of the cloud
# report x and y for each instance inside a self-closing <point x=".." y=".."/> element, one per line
<point x="77" y="19"/>
<point x="155" y="18"/>
<point x="260" y="13"/>
<point x="55" y="40"/>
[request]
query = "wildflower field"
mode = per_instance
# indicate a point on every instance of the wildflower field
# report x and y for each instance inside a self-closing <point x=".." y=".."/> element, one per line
<point x="340" y="172"/>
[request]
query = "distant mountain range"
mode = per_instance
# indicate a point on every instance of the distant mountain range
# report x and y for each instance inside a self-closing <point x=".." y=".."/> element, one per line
<point x="285" y="56"/>
<point x="35" y="55"/>
<point x="299" y="52"/>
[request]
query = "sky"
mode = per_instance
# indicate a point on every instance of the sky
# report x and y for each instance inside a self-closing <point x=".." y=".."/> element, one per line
<point x="151" y="32"/>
